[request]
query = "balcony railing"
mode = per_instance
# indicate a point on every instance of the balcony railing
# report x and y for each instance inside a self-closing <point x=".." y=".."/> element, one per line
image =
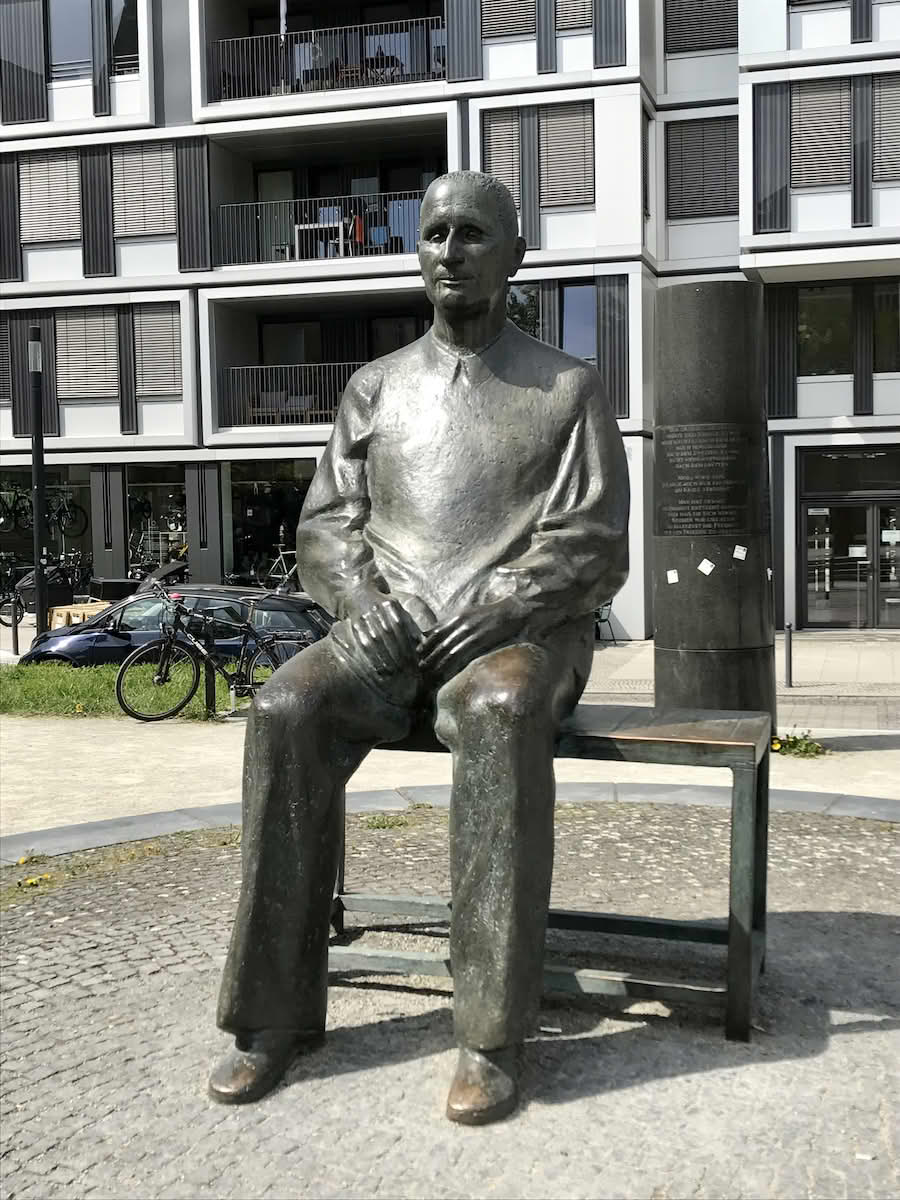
<point x="298" y="394"/>
<point x="324" y="60"/>
<point x="321" y="227"/>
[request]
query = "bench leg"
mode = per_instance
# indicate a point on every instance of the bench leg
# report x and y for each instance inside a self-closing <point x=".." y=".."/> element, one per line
<point x="741" y="905"/>
<point x="337" y="906"/>
<point x="761" y="856"/>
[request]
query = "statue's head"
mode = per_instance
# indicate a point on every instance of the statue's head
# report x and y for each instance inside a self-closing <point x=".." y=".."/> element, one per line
<point x="469" y="243"/>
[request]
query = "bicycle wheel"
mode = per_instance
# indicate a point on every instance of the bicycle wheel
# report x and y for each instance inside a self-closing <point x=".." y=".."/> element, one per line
<point x="157" y="681"/>
<point x="6" y="518"/>
<point x="72" y="520"/>
<point x="11" y="610"/>
<point x="266" y="661"/>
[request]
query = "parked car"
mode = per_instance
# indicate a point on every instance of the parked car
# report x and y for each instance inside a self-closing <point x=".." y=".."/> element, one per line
<point x="112" y="634"/>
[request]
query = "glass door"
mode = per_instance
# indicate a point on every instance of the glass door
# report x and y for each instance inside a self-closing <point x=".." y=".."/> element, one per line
<point x="838" y="566"/>
<point x="888" y="582"/>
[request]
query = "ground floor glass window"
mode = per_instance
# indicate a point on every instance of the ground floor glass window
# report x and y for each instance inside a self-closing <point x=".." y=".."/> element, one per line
<point x="266" y="496"/>
<point x="157" y="523"/>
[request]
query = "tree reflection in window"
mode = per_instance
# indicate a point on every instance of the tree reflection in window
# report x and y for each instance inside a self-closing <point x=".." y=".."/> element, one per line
<point x="523" y="307"/>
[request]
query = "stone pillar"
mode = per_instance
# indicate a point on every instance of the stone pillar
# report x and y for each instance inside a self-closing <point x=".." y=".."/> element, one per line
<point x="713" y="595"/>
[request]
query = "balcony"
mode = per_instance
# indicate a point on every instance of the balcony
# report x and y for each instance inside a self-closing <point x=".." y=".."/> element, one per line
<point x="296" y="394"/>
<point x="319" y="227"/>
<point x="317" y="60"/>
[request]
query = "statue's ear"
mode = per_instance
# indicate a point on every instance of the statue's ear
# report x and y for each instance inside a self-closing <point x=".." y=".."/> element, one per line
<point x="517" y="255"/>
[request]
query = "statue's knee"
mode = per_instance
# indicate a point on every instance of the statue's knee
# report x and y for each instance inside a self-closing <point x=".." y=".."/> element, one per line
<point x="279" y="703"/>
<point x="499" y="699"/>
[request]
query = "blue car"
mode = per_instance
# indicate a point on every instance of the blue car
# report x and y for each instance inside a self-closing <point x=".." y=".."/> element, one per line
<point x="111" y="635"/>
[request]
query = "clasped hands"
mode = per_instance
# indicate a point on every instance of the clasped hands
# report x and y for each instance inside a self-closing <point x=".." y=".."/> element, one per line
<point x="400" y="631"/>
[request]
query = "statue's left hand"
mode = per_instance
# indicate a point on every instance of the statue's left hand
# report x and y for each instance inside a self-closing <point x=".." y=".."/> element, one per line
<point x="452" y="645"/>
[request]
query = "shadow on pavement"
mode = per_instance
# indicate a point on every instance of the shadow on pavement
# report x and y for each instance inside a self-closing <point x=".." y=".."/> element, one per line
<point x="873" y="741"/>
<point x="828" y="974"/>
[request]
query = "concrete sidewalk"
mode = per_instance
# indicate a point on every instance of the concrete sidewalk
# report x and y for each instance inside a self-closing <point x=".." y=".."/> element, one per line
<point x="120" y="779"/>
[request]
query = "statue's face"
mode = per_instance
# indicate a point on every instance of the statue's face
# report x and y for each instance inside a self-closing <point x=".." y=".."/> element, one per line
<point x="465" y="253"/>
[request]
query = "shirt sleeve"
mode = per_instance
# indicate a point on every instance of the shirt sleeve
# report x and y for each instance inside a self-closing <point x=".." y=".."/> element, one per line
<point x="577" y="557"/>
<point x="335" y="563"/>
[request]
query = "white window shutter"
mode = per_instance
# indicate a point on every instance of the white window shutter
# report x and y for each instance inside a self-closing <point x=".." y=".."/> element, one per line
<point x="143" y="178"/>
<point x="157" y="349"/>
<point x="821" y="142"/>
<point x="50" y="197"/>
<point x="502" y="18"/>
<point x="574" y="14"/>
<point x="87" y="353"/>
<point x="566" y="138"/>
<point x="500" y="148"/>
<point x="886" y="128"/>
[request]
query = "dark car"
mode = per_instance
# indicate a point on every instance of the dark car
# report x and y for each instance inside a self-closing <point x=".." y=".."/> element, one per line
<point x="112" y="634"/>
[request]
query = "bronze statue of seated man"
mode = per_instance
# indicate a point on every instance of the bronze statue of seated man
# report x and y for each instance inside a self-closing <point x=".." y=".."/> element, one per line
<point x="468" y="516"/>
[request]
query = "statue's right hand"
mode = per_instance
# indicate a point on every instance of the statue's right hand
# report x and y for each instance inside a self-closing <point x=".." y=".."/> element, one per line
<point x="387" y="634"/>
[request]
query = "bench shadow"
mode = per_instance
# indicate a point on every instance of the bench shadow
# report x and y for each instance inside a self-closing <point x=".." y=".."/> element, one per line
<point x="873" y="741"/>
<point x="828" y="975"/>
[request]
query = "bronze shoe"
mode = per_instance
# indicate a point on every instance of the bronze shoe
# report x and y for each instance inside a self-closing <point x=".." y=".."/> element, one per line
<point x="257" y="1064"/>
<point x="484" y="1088"/>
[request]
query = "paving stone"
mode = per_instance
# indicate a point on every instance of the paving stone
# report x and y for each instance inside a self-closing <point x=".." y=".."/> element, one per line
<point x="104" y="1091"/>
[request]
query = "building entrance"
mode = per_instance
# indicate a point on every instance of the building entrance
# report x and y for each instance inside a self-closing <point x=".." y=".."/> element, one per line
<point x="850" y="546"/>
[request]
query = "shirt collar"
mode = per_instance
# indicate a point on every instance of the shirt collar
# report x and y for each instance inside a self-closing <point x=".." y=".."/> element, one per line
<point x="473" y="365"/>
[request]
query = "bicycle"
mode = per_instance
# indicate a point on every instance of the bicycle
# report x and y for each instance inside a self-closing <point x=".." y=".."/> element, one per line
<point x="282" y="575"/>
<point x="158" y="680"/>
<point x="70" y="518"/>
<point x="15" y="510"/>
<point x="12" y="608"/>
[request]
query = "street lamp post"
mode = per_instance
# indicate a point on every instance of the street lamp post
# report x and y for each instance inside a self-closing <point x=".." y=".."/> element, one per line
<point x="38" y="478"/>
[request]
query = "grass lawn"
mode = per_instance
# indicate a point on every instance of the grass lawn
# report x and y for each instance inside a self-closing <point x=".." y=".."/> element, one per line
<point x="58" y="690"/>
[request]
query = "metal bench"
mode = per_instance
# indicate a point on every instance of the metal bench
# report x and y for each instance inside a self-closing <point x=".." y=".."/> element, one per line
<point x="739" y="741"/>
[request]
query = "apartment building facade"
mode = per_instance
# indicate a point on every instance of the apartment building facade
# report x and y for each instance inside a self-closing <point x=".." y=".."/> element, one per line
<point x="211" y="211"/>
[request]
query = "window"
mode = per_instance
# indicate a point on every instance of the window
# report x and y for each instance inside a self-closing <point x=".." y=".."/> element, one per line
<point x="820" y="133"/>
<point x="887" y="326"/>
<point x="141" y="616"/>
<point x="825" y="331"/>
<point x="574" y="14"/>
<point x="500" y="18"/>
<point x="645" y="162"/>
<point x="71" y="54"/>
<point x="566" y="136"/>
<point x="500" y="148"/>
<point x="87" y="353"/>
<point x="702" y="168"/>
<point x="157" y="350"/>
<point x="523" y="307"/>
<point x="886" y="128"/>
<point x="693" y="25"/>
<point x="143" y="178"/>
<point x="49" y="197"/>
<point x="123" y="36"/>
<point x="5" y="376"/>
<point x="579" y="320"/>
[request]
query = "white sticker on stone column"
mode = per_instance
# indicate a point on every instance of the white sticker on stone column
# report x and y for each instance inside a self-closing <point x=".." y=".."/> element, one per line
<point x="768" y="572"/>
<point x="706" y="567"/>
<point x="672" y="576"/>
<point x="740" y="552"/>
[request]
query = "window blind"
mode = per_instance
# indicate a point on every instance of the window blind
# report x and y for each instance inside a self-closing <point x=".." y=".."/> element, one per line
<point x="500" y="148"/>
<point x="886" y="128"/>
<point x="143" y="189"/>
<point x="702" y="168"/>
<point x="5" y="374"/>
<point x="501" y="18"/>
<point x="821" y="141"/>
<point x="157" y="350"/>
<point x="87" y="353"/>
<point x="49" y="197"/>
<point x="700" y="25"/>
<point x="574" y="14"/>
<point x="566" y="149"/>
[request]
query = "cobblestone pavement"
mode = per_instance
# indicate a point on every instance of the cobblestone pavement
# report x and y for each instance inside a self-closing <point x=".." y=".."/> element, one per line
<point x="108" y="991"/>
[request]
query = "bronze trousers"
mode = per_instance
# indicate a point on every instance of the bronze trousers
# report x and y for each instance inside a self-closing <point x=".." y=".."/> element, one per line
<point x="309" y="729"/>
